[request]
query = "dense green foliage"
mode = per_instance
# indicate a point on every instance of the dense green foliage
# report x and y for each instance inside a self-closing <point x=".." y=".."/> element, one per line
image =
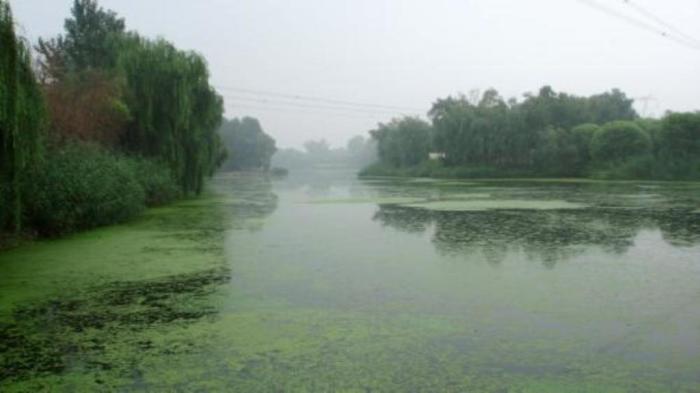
<point x="80" y="186"/>
<point x="548" y="134"/>
<point x="248" y="146"/>
<point x="156" y="179"/>
<point x="148" y="97"/>
<point x="403" y="142"/>
<point x="678" y="145"/>
<point x="21" y="120"/>
<point x="131" y="123"/>
<point x="619" y="141"/>
<point x="490" y="131"/>
<point x="175" y="110"/>
<point x="92" y="41"/>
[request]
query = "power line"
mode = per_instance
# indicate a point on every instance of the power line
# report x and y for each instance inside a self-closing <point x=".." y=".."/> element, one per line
<point x="302" y="112"/>
<point x="316" y="99"/>
<point x="661" y="22"/>
<point x="306" y="105"/>
<point x="637" y="22"/>
<point x="236" y="105"/>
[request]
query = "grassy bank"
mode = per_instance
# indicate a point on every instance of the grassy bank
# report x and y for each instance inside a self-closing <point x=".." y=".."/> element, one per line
<point x="642" y="169"/>
<point x="435" y="169"/>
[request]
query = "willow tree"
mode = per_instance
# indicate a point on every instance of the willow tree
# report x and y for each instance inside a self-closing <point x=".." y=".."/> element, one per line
<point x="618" y="141"/>
<point x="21" y="119"/>
<point x="403" y="142"/>
<point x="484" y="129"/>
<point x="158" y="101"/>
<point x="175" y="111"/>
<point x="452" y="123"/>
<point x="248" y="145"/>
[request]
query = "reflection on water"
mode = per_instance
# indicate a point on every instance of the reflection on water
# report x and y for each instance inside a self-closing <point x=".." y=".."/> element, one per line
<point x="381" y="279"/>
<point x="546" y="235"/>
<point x="249" y="199"/>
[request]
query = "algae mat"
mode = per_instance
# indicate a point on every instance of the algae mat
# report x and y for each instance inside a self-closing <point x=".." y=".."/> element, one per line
<point x="555" y="287"/>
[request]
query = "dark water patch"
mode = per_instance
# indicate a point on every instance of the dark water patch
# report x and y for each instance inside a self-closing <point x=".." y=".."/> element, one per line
<point x="53" y="336"/>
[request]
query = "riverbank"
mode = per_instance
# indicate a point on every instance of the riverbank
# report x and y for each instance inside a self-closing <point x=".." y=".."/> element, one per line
<point x="437" y="170"/>
<point x="434" y="169"/>
<point x="81" y="186"/>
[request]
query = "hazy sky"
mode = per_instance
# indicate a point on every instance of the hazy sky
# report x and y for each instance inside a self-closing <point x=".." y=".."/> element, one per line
<point x="406" y="53"/>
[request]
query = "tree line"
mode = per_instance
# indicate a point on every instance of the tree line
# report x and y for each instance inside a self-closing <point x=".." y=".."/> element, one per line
<point x="104" y="123"/>
<point x="546" y="134"/>
<point x="142" y="97"/>
<point x="357" y="153"/>
<point x="250" y="147"/>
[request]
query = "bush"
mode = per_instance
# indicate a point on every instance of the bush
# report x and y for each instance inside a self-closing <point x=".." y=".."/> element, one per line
<point x="680" y="135"/>
<point x="376" y="169"/>
<point x="581" y="138"/>
<point x="157" y="180"/>
<point x="679" y="146"/>
<point x="619" y="141"/>
<point x="81" y="186"/>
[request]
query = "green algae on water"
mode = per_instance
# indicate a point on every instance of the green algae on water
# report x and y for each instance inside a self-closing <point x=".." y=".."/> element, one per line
<point x="472" y="195"/>
<point x="495" y="204"/>
<point x="248" y="290"/>
<point x="83" y="313"/>
<point x="367" y="200"/>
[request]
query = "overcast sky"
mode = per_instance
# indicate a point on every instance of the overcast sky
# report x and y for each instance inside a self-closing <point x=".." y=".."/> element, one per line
<point x="406" y="53"/>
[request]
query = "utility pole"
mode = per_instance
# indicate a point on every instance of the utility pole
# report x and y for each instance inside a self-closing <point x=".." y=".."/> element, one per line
<point x="645" y="100"/>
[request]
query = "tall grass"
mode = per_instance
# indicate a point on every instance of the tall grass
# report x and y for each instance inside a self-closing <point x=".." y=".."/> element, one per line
<point x="80" y="186"/>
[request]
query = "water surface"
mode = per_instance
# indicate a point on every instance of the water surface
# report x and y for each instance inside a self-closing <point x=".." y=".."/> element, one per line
<point x="328" y="283"/>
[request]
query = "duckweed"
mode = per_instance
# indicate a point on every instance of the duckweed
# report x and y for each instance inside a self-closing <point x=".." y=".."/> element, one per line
<point x="546" y="287"/>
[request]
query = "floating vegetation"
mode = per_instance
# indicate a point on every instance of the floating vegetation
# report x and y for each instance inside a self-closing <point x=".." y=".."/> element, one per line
<point x="495" y="204"/>
<point x="42" y="338"/>
<point x="100" y="300"/>
<point x="456" y="183"/>
<point x="427" y="180"/>
<point x="462" y="196"/>
<point x="365" y="200"/>
<point x="366" y="297"/>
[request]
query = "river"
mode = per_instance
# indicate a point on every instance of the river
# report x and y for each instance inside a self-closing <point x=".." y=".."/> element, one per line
<point x="324" y="283"/>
